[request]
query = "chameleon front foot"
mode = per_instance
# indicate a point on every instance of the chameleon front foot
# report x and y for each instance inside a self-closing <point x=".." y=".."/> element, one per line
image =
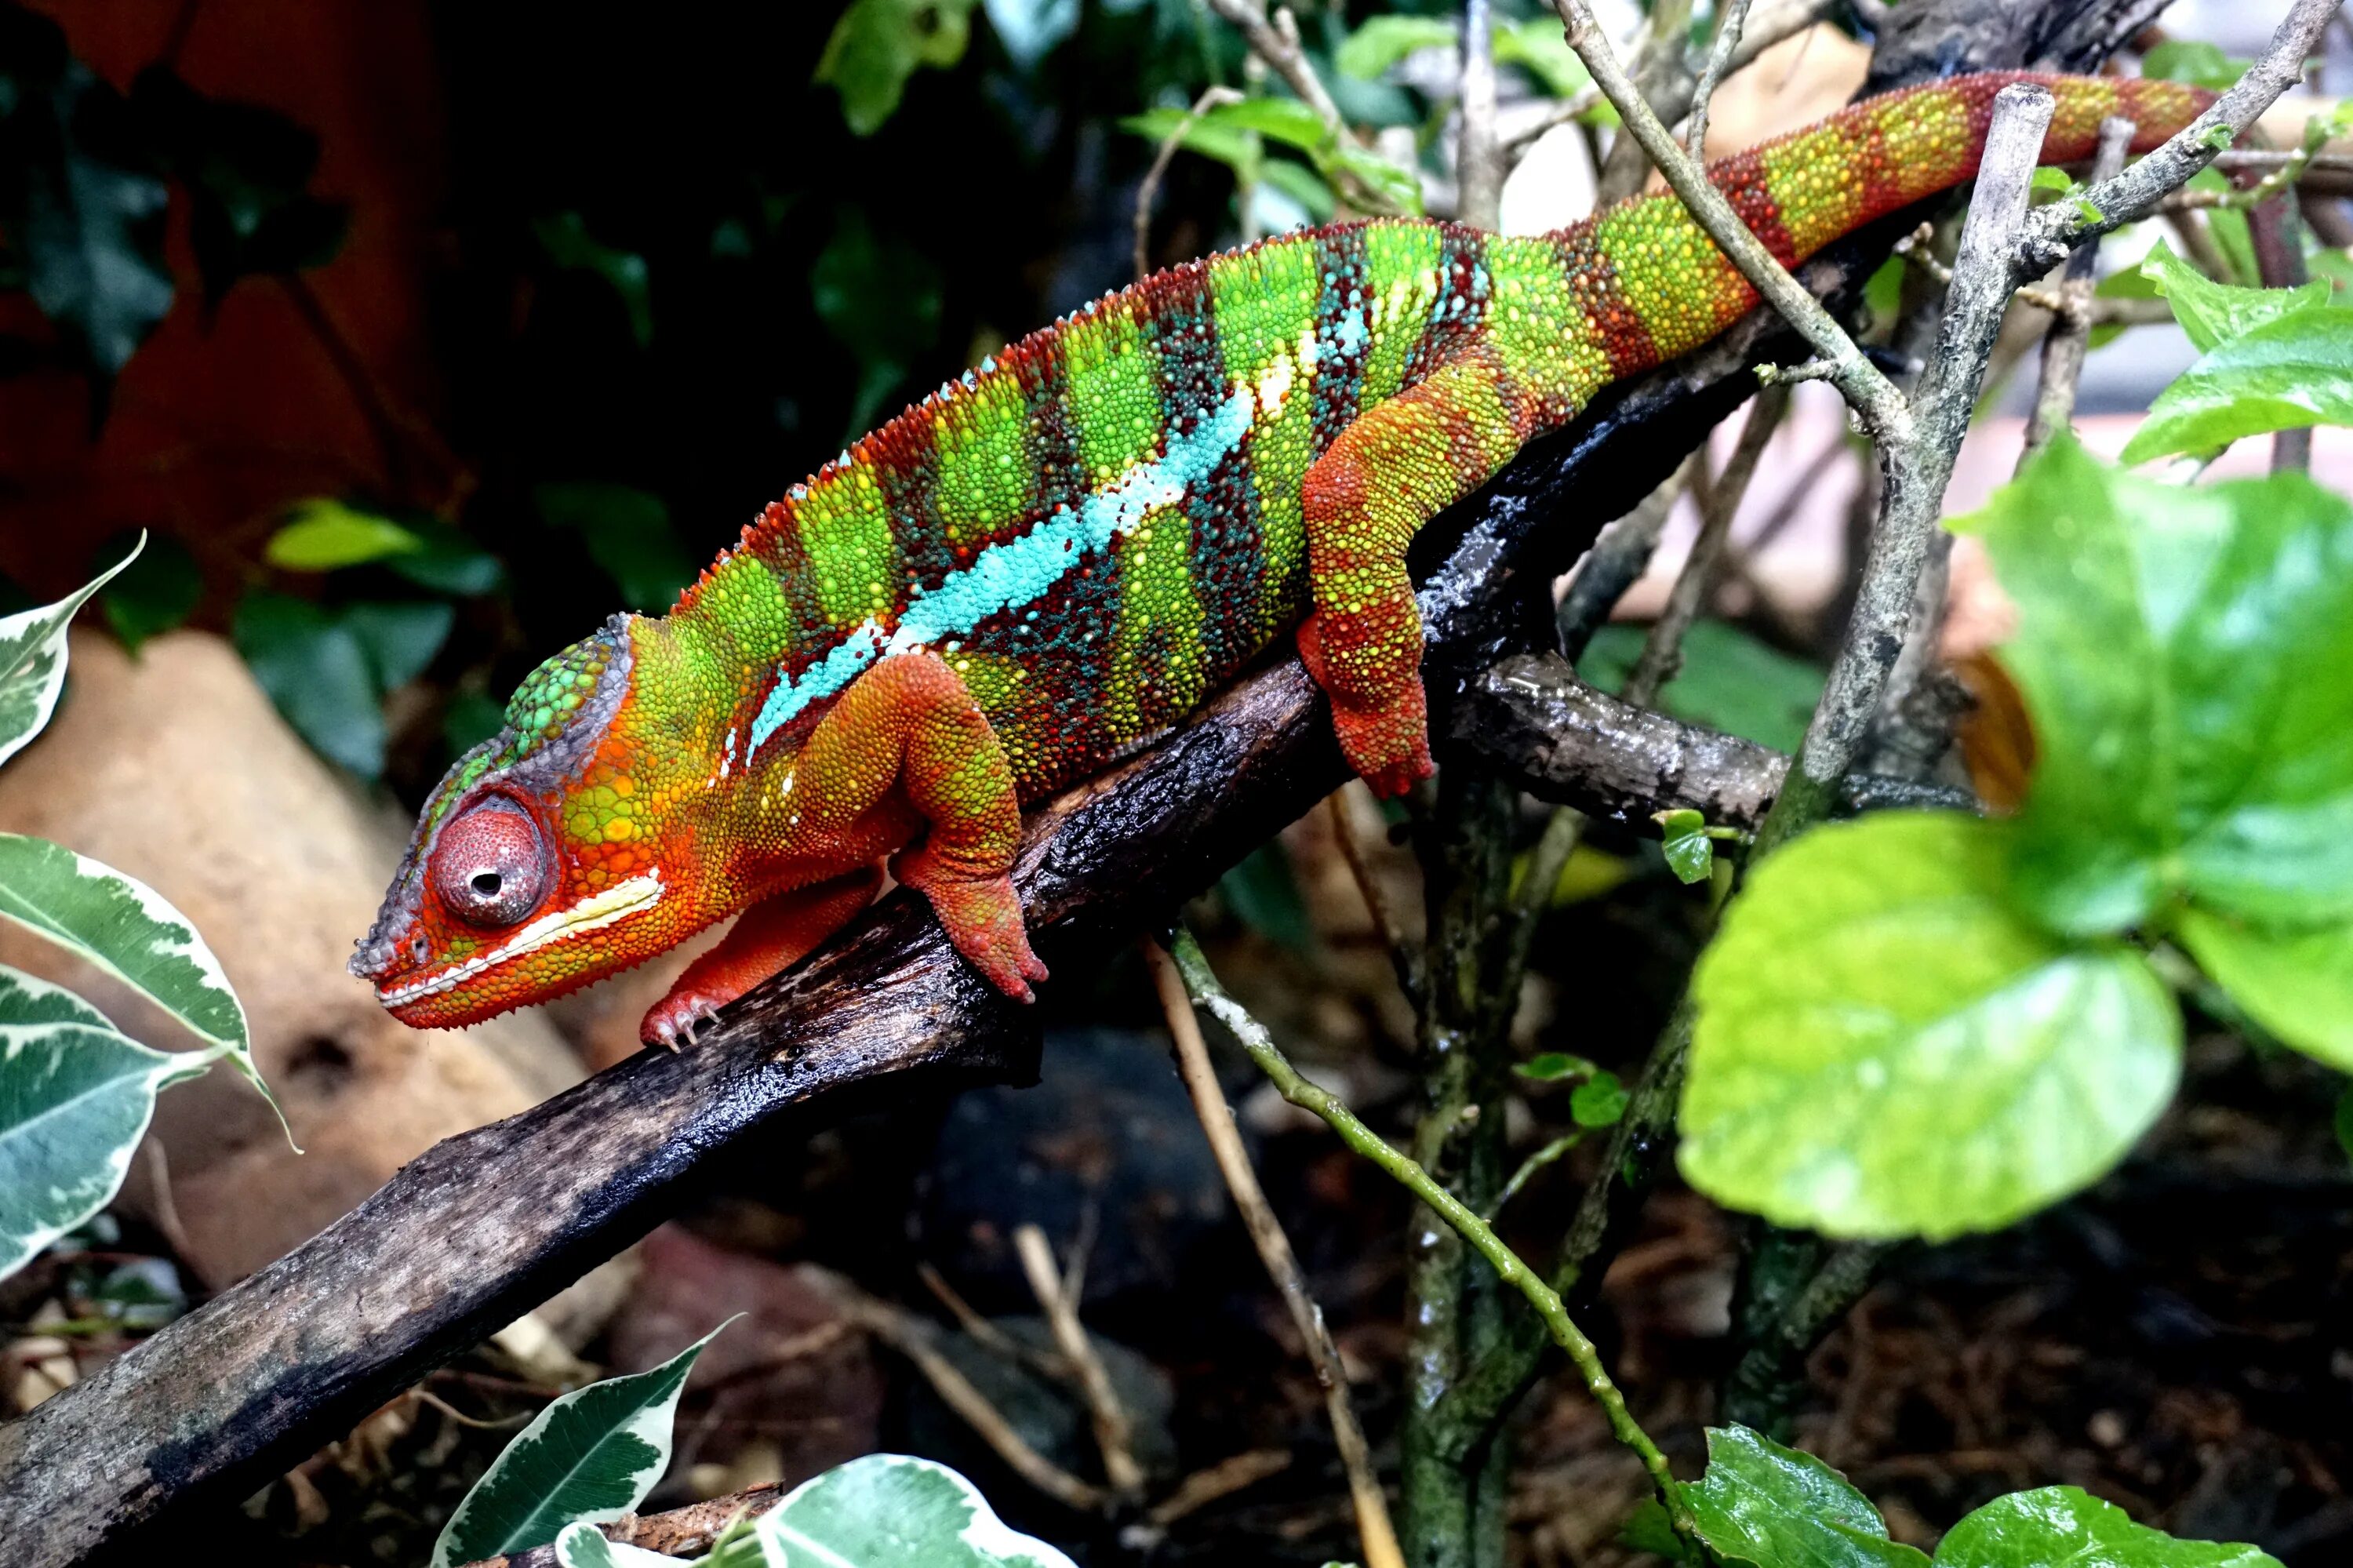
<point x="772" y="935"/>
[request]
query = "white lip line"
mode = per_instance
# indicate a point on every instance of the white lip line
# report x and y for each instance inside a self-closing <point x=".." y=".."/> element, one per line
<point x="594" y="912"/>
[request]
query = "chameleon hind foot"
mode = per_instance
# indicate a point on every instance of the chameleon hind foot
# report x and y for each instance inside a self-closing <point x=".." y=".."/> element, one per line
<point x="771" y="935"/>
<point x="1386" y="740"/>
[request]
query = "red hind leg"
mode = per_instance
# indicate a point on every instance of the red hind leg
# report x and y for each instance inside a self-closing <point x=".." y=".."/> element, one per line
<point x="772" y="935"/>
<point x="1395" y="468"/>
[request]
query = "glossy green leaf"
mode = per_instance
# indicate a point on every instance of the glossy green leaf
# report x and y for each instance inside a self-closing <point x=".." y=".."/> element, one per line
<point x="317" y="672"/>
<point x="2211" y="312"/>
<point x="28" y="1000"/>
<point x="879" y="43"/>
<point x="889" y="1510"/>
<point x="1283" y="120"/>
<point x="399" y="637"/>
<point x="585" y="1546"/>
<point x="33" y="660"/>
<point x="2062" y="1526"/>
<point x="591" y="1456"/>
<point x="1728" y="680"/>
<point x="1762" y="1504"/>
<point x="628" y="534"/>
<point x="2298" y="985"/>
<point x="2131" y="284"/>
<point x="2294" y="371"/>
<point x="158" y="588"/>
<point x="1690" y="854"/>
<point x="1539" y="46"/>
<point x="1302" y="184"/>
<point x="568" y="244"/>
<point x="2187" y="657"/>
<point x="1884" y="1048"/>
<point x="1231" y="146"/>
<point x="1382" y="42"/>
<point x="1400" y="189"/>
<point x="75" y="1099"/>
<point x="1599" y="1101"/>
<point x="324" y="534"/>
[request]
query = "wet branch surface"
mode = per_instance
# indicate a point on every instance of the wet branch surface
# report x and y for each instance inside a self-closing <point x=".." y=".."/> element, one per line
<point x="484" y="1226"/>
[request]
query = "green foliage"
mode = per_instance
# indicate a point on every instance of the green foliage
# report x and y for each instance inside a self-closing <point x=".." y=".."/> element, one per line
<point x="569" y="244"/>
<point x="627" y="532"/>
<point x="1760" y="1505"/>
<point x="2211" y="312"/>
<point x="1380" y="43"/>
<point x="154" y="590"/>
<point x="1885" y="1048"/>
<point x="591" y="1455"/>
<point x="318" y="673"/>
<point x="1232" y="134"/>
<point x="2293" y="370"/>
<point x="1690" y="854"/>
<point x="2187" y="656"/>
<point x="890" y="1510"/>
<point x="2195" y="62"/>
<point x="1551" y="1066"/>
<point x="323" y="535"/>
<point x="1599" y="1101"/>
<point x="1728" y="680"/>
<point x="1539" y="46"/>
<point x="1263" y="894"/>
<point x="882" y="298"/>
<point x="879" y="43"/>
<point x="2298" y="984"/>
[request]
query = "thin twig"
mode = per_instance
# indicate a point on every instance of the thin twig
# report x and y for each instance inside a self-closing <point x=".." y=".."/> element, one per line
<point x="1479" y="160"/>
<point x="911" y="1337"/>
<point x="1719" y="61"/>
<point x="1404" y="954"/>
<point x="1148" y="191"/>
<point x="1534" y="1163"/>
<point x="1662" y="655"/>
<point x="1657" y="60"/>
<point x="2070" y="338"/>
<point x="1618" y="560"/>
<point x="1372" y="1526"/>
<point x="1201" y="984"/>
<point x="1279" y="48"/>
<point x="1222" y="1479"/>
<point x="1062" y="1309"/>
<point x="987" y="1335"/>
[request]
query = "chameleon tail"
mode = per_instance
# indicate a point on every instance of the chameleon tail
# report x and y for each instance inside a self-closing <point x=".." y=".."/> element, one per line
<point x="1801" y="191"/>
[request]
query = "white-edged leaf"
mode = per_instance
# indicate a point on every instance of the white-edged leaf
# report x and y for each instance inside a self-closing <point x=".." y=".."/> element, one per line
<point x="131" y="931"/>
<point x="75" y="1100"/>
<point x="589" y="1457"/>
<point x="33" y="660"/>
<point x="28" y="999"/>
<point x="585" y="1546"/>
<point x="891" y="1510"/>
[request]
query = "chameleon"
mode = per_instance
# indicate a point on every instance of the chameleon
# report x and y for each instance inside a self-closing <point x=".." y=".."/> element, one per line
<point x="1053" y="560"/>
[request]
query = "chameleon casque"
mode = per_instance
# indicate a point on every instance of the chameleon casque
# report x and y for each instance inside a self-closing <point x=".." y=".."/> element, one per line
<point x="1055" y="558"/>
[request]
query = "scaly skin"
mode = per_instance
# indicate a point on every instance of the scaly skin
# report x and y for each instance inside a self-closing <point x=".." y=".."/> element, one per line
<point x="1056" y="557"/>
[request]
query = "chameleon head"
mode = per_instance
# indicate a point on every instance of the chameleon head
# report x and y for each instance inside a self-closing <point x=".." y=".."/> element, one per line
<point x="547" y="858"/>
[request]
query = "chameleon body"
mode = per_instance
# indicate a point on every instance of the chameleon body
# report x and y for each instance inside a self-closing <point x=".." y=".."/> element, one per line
<point x="1055" y="558"/>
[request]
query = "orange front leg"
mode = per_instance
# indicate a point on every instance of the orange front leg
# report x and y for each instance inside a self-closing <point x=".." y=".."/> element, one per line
<point x="1397" y="466"/>
<point x="909" y="723"/>
<point x="772" y="935"/>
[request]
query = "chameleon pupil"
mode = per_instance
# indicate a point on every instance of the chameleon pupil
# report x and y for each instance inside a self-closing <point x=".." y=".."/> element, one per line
<point x="486" y="884"/>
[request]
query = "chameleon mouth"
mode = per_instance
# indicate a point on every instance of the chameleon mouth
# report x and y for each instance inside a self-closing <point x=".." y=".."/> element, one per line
<point x="616" y="902"/>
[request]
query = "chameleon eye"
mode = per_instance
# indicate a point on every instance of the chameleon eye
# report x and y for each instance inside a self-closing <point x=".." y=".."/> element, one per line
<point x="489" y="866"/>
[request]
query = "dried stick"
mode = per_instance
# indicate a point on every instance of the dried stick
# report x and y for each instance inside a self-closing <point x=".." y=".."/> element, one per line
<point x="1405" y="955"/>
<point x="1148" y="191"/>
<point x="1479" y="160"/>
<point x="1719" y="61"/>
<point x="986" y="1334"/>
<point x="1372" y="1526"/>
<point x="1061" y="1307"/>
<point x="2070" y="338"/>
<point x="1222" y="1479"/>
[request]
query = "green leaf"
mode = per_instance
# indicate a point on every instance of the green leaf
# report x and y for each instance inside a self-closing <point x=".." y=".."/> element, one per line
<point x="27" y="999"/>
<point x="2186" y="658"/>
<point x="158" y="588"/>
<point x="1690" y="854"/>
<point x="399" y="637"/>
<point x="2063" y="1525"/>
<point x="316" y="671"/>
<point x="323" y="535"/>
<point x="628" y="534"/>
<point x="585" y="1546"/>
<point x="2050" y="182"/>
<point x="879" y="43"/>
<point x="890" y="1510"/>
<point x="1551" y="1066"/>
<point x="446" y="561"/>
<point x="1884" y="1049"/>
<point x="2298" y="985"/>
<point x="1383" y="41"/>
<point x="1302" y="184"/>
<point x="2293" y="371"/>
<point x="1400" y="189"/>
<point x="591" y="1456"/>
<point x="1729" y="681"/>
<point x="1599" y="1101"/>
<point x="2197" y="63"/>
<point x="2131" y="284"/>
<point x="2211" y="312"/>
<point x="1284" y="120"/>
<point x="882" y="298"/>
<point x="85" y="206"/>
<point x="1777" y="1507"/>
<point x="75" y="1099"/>
<point x="33" y="660"/>
<point x="1263" y="894"/>
<point x="569" y="244"/>
<point x="128" y="929"/>
<point x="1540" y="47"/>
